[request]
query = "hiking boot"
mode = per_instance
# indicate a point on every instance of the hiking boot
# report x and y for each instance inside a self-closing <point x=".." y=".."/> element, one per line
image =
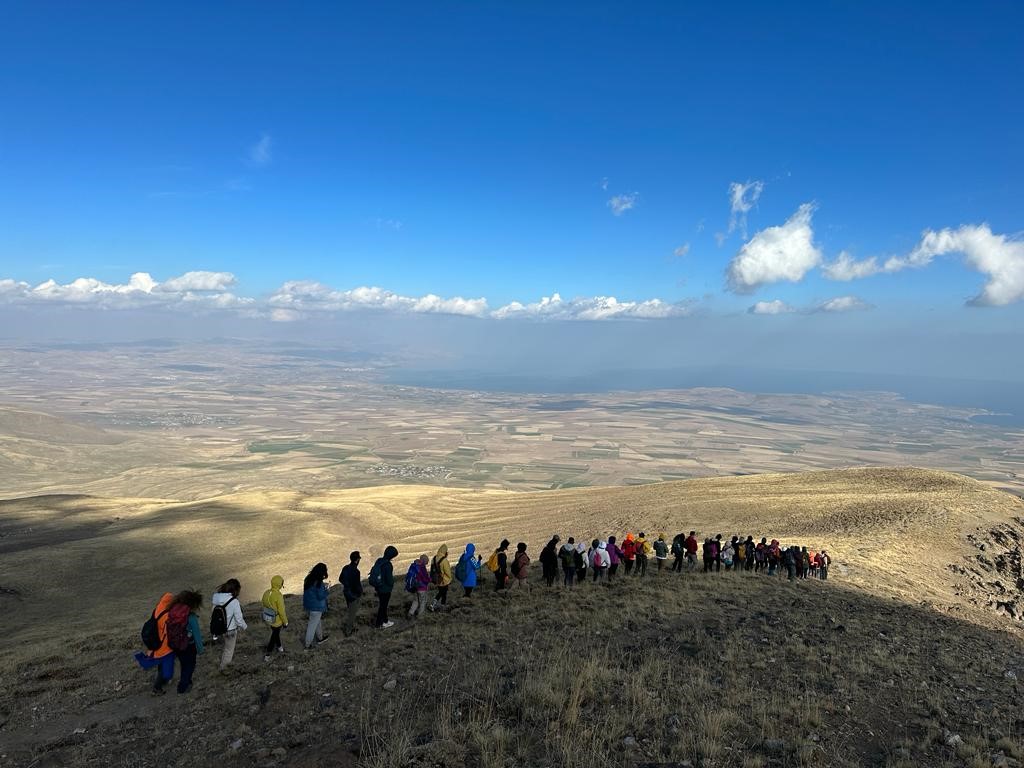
<point x="186" y="689"/>
<point x="387" y="624"/>
<point x="322" y="640"/>
<point x="159" y="691"/>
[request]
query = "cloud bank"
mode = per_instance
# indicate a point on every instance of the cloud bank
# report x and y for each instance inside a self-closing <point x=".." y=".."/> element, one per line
<point x="554" y="307"/>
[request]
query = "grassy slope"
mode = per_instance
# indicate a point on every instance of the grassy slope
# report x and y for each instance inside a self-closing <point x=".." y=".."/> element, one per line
<point x="871" y="667"/>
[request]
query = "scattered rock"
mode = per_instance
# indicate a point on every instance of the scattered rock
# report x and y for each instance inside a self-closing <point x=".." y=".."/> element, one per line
<point x="280" y="752"/>
<point x="391" y="684"/>
<point x="952" y="739"/>
<point x="773" y="746"/>
<point x="629" y="741"/>
<point x="1010" y="674"/>
<point x="236" y="745"/>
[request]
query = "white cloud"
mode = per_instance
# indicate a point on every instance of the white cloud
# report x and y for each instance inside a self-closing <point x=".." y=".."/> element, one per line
<point x="604" y="183"/>
<point x="776" y="307"/>
<point x="742" y="198"/>
<point x="554" y="307"/>
<point x="785" y="252"/>
<point x="622" y="203"/>
<point x="312" y="296"/>
<point x="842" y="304"/>
<point x="846" y="268"/>
<point x="261" y="153"/>
<point x="682" y="250"/>
<point x="285" y="315"/>
<point x="199" y="281"/>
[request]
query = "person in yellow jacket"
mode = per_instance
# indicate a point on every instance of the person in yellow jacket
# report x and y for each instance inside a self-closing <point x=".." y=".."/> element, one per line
<point x="441" y="577"/>
<point x="643" y="551"/>
<point x="275" y="615"/>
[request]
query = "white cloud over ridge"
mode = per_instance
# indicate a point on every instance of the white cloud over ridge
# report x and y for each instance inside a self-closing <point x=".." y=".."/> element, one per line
<point x="742" y="198"/>
<point x="785" y="252"/>
<point x="837" y="304"/>
<point x="776" y="307"/>
<point x="310" y="296"/>
<point x="843" y="304"/>
<point x="554" y="307"/>
<point x="624" y="202"/>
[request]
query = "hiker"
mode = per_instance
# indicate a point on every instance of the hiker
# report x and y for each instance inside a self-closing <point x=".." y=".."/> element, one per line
<point x="352" y="589"/>
<point x="740" y="554"/>
<point x="661" y="551"/>
<point x="467" y="568"/>
<point x="826" y="561"/>
<point x="520" y="566"/>
<point x="643" y="549"/>
<point x="805" y="562"/>
<point x="678" y="551"/>
<point x="441" y="577"/>
<point x="691" y="551"/>
<point x="815" y="564"/>
<point x="501" y="565"/>
<point x="716" y="552"/>
<point x="579" y="561"/>
<point x="592" y="557"/>
<point x="418" y="585"/>
<point x="159" y="654"/>
<point x="761" y="555"/>
<point x="789" y="558"/>
<point x="226" y="619"/>
<point x="601" y="561"/>
<point x="314" y="602"/>
<point x="707" y="556"/>
<point x="748" y="562"/>
<point x="774" y="557"/>
<point x="187" y="655"/>
<point x="614" y="557"/>
<point x="629" y="552"/>
<point x="567" y="557"/>
<point x="382" y="579"/>
<point x="275" y="615"/>
<point x="549" y="560"/>
<point x="728" y="555"/>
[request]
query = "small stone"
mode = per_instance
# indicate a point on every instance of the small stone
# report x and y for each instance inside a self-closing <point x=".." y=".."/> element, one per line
<point x="1010" y="674"/>
<point x="291" y="667"/>
<point x="236" y="744"/>
<point x="773" y="746"/>
<point x="79" y="730"/>
<point x="629" y="741"/>
<point x="280" y="752"/>
<point x="391" y="684"/>
<point x="954" y="740"/>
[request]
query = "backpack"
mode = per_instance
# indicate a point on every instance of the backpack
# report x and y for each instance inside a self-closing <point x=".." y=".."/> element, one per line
<point x="759" y="553"/>
<point x="410" y="579"/>
<point x="151" y="630"/>
<point x="492" y="562"/>
<point x="741" y="551"/>
<point x="177" y="627"/>
<point x="219" y="619"/>
<point x="460" y="569"/>
<point x="517" y="565"/>
<point x="435" y="572"/>
<point x="374" y="578"/>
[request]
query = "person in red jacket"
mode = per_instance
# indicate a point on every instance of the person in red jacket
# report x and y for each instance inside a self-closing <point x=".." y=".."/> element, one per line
<point x="691" y="550"/>
<point x="629" y="552"/>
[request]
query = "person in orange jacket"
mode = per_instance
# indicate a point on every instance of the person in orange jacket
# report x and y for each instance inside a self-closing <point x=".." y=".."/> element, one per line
<point x="629" y="552"/>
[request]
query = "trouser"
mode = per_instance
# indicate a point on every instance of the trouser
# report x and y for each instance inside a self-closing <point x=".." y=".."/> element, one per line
<point x="612" y="569"/>
<point x="187" y="659"/>
<point x="419" y="605"/>
<point x="550" y="574"/>
<point x="351" y="614"/>
<point x="228" y="653"/>
<point x="274" y="644"/>
<point x="661" y="562"/>
<point x="569" y="575"/>
<point x="467" y="590"/>
<point x="581" y="575"/>
<point x="718" y="563"/>
<point x="677" y="564"/>
<point x="164" y="670"/>
<point x="382" y="609"/>
<point x="499" y="581"/>
<point x="791" y="570"/>
<point x="641" y="565"/>
<point x="629" y="567"/>
<point x="600" y="573"/>
<point x="691" y="561"/>
<point x="707" y="564"/>
<point x="442" y="595"/>
<point x="314" y="629"/>
<point x="824" y="572"/>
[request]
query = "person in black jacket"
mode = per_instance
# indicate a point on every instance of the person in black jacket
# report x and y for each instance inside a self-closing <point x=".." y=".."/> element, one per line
<point x="382" y="579"/>
<point x="501" y="575"/>
<point x="352" y="588"/>
<point x="549" y="560"/>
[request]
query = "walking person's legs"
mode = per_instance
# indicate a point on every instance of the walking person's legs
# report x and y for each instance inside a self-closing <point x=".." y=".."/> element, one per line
<point x="313" y="631"/>
<point x="351" y="613"/>
<point x="228" y="653"/>
<point x="187" y="659"/>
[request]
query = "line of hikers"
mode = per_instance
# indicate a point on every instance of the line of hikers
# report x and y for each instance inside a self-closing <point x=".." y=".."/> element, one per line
<point x="173" y="632"/>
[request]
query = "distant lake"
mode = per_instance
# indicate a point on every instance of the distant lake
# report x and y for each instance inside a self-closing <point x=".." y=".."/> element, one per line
<point x="1004" y="399"/>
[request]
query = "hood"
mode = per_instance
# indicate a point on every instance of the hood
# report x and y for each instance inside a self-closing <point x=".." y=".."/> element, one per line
<point x="581" y="547"/>
<point x="629" y="537"/>
<point x="390" y="553"/>
<point x="277" y="582"/>
<point x="220" y="598"/>
<point x="470" y="551"/>
<point x="568" y="547"/>
<point x="603" y="545"/>
<point x="442" y="552"/>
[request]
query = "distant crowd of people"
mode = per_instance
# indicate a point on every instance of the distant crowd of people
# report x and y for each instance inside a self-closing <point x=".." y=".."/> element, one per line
<point x="172" y="631"/>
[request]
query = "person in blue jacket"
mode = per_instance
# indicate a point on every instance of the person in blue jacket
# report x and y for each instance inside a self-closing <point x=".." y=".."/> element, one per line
<point x="314" y="600"/>
<point x="469" y="564"/>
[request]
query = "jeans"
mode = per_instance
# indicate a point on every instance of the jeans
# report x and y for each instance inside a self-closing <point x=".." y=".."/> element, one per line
<point x="187" y="659"/>
<point x="351" y="612"/>
<point x="570" y="575"/>
<point x="419" y="605"/>
<point x="677" y="564"/>
<point x="499" y="581"/>
<point x="442" y="595"/>
<point x="629" y="567"/>
<point x="314" y="629"/>
<point x="229" y="648"/>
<point x="274" y="644"/>
<point x="641" y="565"/>
<point x="382" y="609"/>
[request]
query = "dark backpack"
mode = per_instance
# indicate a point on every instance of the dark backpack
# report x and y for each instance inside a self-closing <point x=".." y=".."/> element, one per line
<point x="460" y="570"/>
<point x="435" y="572"/>
<point x="151" y="630"/>
<point x="219" y="619"/>
<point x="177" y="627"/>
<point x="374" y="578"/>
<point x="516" y="566"/>
<point x="410" y="579"/>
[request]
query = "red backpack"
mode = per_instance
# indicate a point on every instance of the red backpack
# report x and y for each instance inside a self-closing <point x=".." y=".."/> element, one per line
<point x="177" y="627"/>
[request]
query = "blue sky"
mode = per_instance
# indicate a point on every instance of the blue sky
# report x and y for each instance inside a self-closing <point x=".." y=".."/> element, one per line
<point x="480" y="151"/>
